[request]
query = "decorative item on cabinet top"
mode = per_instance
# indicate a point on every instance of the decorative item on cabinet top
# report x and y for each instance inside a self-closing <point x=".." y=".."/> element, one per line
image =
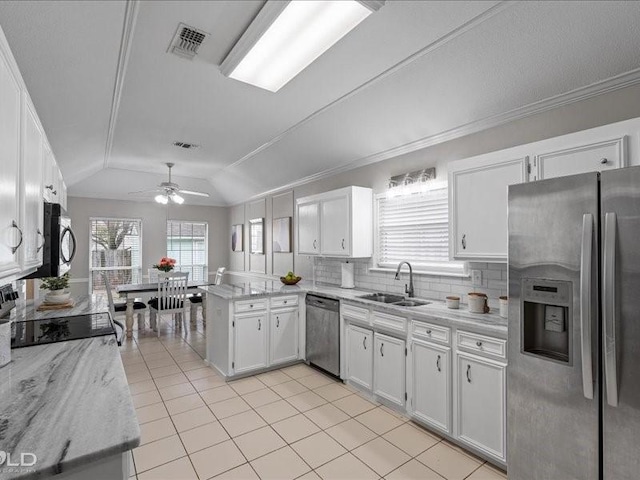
<point x="411" y="182"/>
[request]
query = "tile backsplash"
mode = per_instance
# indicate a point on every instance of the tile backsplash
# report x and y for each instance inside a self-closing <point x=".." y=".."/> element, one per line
<point x="494" y="279"/>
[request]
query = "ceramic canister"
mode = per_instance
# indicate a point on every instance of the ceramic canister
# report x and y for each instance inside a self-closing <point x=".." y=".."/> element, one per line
<point x="478" y="302"/>
<point x="504" y="307"/>
<point x="453" y="302"/>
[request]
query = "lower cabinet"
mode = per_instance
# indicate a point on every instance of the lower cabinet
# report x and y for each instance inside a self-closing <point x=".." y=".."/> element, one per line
<point x="389" y="368"/>
<point x="283" y="333"/>
<point x="430" y="384"/>
<point x="481" y="385"/>
<point x="250" y="342"/>
<point x="359" y="356"/>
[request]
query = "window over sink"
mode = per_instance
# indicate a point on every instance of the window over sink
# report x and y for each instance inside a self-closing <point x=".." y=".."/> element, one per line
<point x="414" y="227"/>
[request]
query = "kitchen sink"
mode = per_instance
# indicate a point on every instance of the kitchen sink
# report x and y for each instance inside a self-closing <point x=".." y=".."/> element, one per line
<point x="382" y="297"/>
<point x="391" y="299"/>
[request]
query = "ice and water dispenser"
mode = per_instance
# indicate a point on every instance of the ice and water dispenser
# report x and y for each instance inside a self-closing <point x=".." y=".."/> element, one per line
<point x="547" y="319"/>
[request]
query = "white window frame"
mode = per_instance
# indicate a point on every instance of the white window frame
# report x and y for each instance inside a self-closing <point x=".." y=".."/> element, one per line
<point x="107" y="269"/>
<point x="445" y="269"/>
<point x="206" y="246"/>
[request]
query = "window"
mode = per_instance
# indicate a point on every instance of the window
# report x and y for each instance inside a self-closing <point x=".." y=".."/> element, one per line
<point x="115" y="249"/>
<point x="415" y="227"/>
<point x="187" y="243"/>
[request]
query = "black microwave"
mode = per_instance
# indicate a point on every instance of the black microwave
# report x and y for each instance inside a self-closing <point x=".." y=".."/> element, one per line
<point x="59" y="243"/>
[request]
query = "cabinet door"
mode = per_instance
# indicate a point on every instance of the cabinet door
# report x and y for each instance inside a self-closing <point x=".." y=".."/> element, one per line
<point x="478" y="206"/>
<point x="49" y="174"/>
<point x="389" y="368"/>
<point x="481" y="404"/>
<point x="430" y="384"/>
<point x="309" y="228"/>
<point x="32" y="212"/>
<point x="359" y="356"/>
<point x="10" y="170"/>
<point x="283" y="333"/>
<point x="591" y="157"/>
<point x="335" y="226"/>
<point x="62" y="193"/>
<point x="250" y="342"/>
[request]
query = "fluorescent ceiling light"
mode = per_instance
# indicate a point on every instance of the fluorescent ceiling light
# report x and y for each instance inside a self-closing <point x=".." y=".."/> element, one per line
<point x="286" y="37"/>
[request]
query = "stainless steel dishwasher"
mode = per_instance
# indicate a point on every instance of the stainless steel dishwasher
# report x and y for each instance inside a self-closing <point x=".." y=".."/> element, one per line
<point x="323" y="333"/>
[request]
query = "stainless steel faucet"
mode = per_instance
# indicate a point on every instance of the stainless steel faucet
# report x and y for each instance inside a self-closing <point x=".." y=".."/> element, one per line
<point x="407" y="289"/>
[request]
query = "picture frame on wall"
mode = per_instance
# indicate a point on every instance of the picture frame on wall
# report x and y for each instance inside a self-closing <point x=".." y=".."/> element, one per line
<point x="237" y="238"/>
<point x="256" y="236"/>
<point x="282" y="235"/>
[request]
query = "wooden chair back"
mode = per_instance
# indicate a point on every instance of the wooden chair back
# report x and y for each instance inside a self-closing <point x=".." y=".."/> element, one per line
<point x="172" y="291"/>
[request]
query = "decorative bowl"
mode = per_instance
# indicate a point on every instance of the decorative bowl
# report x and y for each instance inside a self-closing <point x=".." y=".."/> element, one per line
<point x="290" y="281"/>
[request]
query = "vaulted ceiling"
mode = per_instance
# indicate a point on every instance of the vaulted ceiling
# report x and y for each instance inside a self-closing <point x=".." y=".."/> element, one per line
<point x="113" y="100"/>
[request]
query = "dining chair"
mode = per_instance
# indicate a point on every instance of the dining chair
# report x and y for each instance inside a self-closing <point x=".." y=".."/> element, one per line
<point x="200" y="299"/>
<point x="171" y="299"/>
<point x="121" y="307"/>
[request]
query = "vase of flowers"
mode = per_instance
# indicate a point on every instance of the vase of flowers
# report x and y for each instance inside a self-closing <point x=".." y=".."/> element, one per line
<point x="165" y="264"/>
<point x="57" y="287"/>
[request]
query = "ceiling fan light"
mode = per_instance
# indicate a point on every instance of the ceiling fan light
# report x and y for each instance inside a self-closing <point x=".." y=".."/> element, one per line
<point x="163" y="199"/>
<point x="177" y="199"/>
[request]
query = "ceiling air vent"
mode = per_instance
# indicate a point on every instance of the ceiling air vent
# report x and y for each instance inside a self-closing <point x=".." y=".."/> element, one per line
<point x="186" y="145"/>
<point x="187" y="41"/>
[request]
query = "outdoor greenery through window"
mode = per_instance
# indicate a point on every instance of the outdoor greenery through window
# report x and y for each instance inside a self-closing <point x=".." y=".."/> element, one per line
<point x="114" y="249"/>
<point x="187" y="243"/>
<point x="415" y="228"/>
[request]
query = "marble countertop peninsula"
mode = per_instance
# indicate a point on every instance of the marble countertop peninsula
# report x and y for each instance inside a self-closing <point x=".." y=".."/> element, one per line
<point x="84" y="304"/>
<point x="238" y="288"/>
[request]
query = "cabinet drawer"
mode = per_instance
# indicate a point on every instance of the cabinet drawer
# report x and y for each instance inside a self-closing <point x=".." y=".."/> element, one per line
<point x="432" y="332"/>
<point x="482" y="344"/>
<point x="288" y="301"/>
<point x="391" y="322"/>
<point x="251" y="305"/>
<point x="355" y="313"/>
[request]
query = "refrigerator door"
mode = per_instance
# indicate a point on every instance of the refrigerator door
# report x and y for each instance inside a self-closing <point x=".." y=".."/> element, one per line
<point x="620" y="194"/>
<point x="552" y="394"/>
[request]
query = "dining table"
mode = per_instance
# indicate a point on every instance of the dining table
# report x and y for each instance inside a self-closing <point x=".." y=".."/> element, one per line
<point x="145" y="291"/>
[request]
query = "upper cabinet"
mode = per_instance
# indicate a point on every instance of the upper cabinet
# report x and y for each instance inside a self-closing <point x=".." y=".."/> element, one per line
<point x="336" y="224"/>
<point x="478" y="189"/>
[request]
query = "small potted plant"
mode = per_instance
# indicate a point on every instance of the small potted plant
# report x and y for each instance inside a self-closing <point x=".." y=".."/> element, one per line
<point x="57" y="287"/>
<point x="166" y="264"/>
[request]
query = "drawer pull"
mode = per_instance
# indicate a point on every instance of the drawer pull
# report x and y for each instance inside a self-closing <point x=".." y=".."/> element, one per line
<point x="604" y="161"/>
<point x="438" y="364"/>
<point x="468" y="373"/>
<point x="479" y="344"/>
<point x="429" y="332"/>
<point x="285" y="302"/>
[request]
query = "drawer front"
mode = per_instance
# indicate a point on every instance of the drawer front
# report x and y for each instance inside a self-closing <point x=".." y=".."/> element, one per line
<point x="390" y="322"/>
<point x="251" y="305"/>
<point x="481" y="344"/>
<point x="288" y="301"/>
<point x="435" y="333"/>
<point x="355" y="313"/>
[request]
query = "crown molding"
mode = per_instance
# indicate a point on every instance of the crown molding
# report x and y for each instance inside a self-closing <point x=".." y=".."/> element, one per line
<point x="130" y="17"/>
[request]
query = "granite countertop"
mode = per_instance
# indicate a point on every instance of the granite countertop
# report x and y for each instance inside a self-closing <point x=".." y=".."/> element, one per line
<point x="436" y="310"/>
<point x="68" y="403"/>
<point x="84" y="304"/>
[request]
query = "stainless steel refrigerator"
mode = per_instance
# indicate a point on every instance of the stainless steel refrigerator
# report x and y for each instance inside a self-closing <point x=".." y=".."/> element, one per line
<point x="573" y="378"/>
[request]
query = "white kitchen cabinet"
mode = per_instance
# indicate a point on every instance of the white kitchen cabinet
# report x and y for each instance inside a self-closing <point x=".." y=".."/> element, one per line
<point x="581" y="158"/>
<point x="31" y="183"/>
<point x="338" y="223"/>
<point x="49" y="174"/>
<point x="389" y="368"/>
<point x="10" y="171"/>
<point x="283" y="335"/>
<point x="309" y="228"/>
<point x="478" y="189"/>
<point x="429" y="384"/>
<point x="481" y="412"/>
<point x="360" y="356"/>
<point x="62" y="191"/>
<point x="250" y="342"/>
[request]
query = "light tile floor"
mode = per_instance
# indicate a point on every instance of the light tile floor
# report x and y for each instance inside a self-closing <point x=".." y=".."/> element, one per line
<point x="286" y="424"/>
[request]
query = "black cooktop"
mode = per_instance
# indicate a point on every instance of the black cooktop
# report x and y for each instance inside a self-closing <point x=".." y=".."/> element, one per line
<point x="38" y="332"/>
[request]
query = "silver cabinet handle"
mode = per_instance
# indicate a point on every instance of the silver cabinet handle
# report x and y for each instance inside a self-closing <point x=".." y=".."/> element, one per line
<point x="259" y="324"/>
<point x="15" y="225"/>
<point x="438" y="364"/>
<point x="314" y="244"/>
<point x="364" y="342"/>
<point x="585" y="304"/>
<point x="285" y="302"/>
<point x="49" y="187"/>
<point x="464" y="241"/>
<point x="43" y="240"/>
<point x="277" y="322"/>
<point x="609" y="309"/>
<point x="343" y="243"/>
<point x="479" y="344"/>
<point x="429" y="332"/>
<point x="381" y="350"/>
<point x="604" y="161"/>
<point x="468" y="373"/>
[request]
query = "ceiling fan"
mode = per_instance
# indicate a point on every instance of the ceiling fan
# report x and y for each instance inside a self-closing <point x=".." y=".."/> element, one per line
<point x="169" y="191"/>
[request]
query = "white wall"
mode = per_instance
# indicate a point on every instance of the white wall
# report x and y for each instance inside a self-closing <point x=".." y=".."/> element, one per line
<point x="154" y="244"/>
